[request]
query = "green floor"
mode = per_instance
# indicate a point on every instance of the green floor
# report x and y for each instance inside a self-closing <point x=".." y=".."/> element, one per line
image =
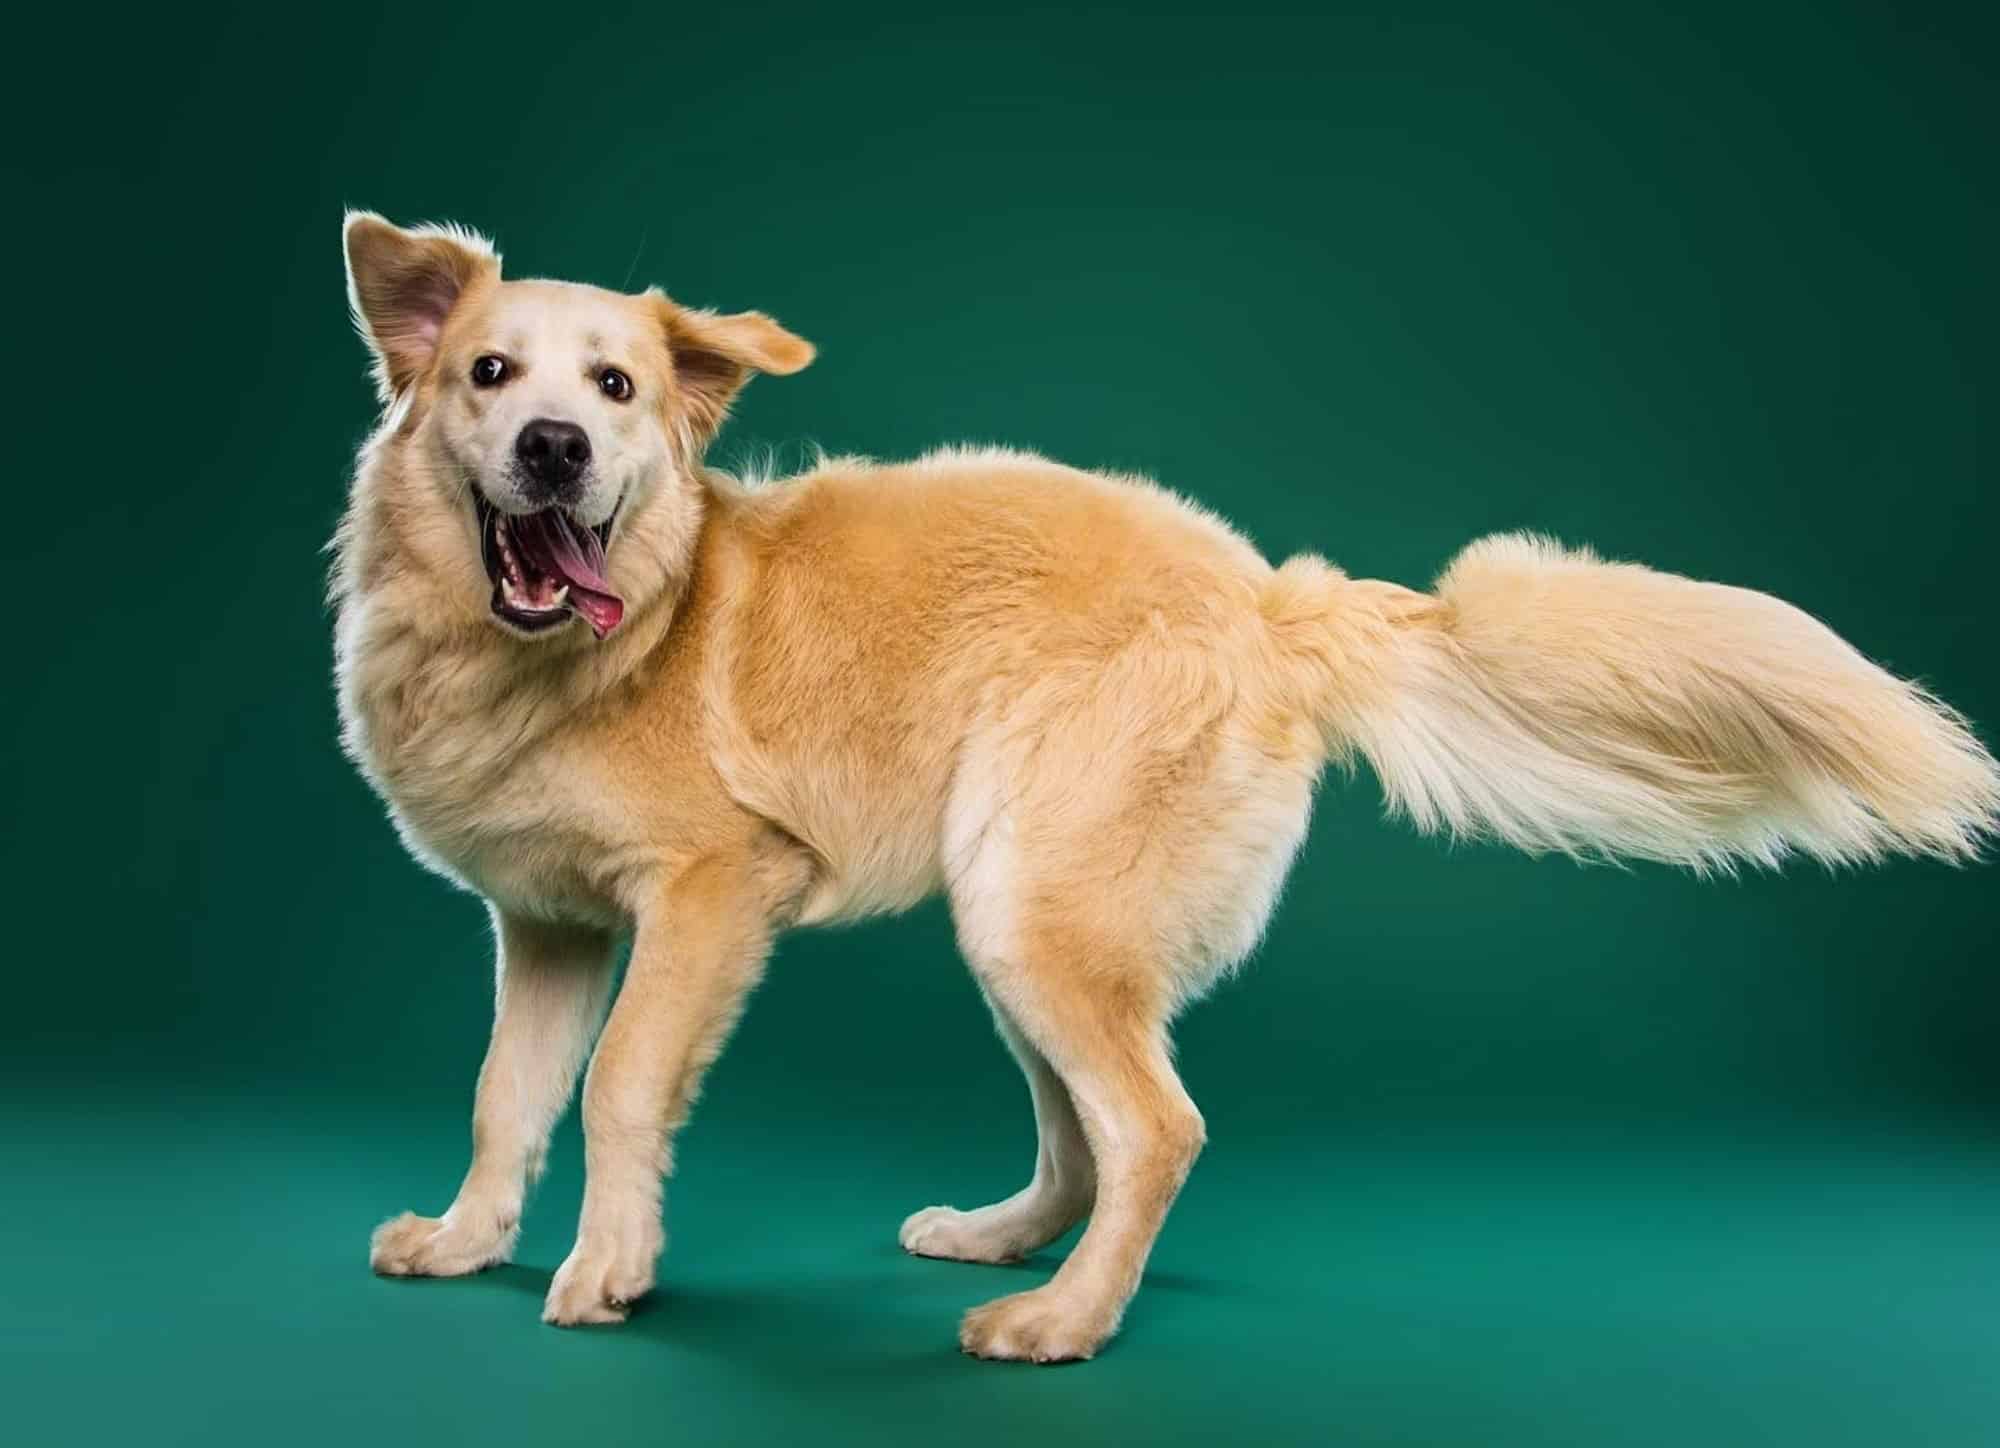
<point x="196" y="1275"/>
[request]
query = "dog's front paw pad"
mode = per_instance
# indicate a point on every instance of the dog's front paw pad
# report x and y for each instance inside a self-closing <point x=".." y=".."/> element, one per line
<point x="593" y="1289"/>
<point x="1043" y="1326"/>
<point x="414" y="1246"/>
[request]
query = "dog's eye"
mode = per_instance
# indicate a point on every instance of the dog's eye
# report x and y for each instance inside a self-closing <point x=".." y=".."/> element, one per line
<point x="617" y="386"/>
<point x="489" y="371"/>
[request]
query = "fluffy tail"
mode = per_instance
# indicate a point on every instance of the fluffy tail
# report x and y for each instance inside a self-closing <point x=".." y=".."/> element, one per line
<point x="1558" y="702"/>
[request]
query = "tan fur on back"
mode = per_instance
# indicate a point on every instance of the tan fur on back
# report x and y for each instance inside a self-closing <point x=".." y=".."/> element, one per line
<point x="1087" y="711"/>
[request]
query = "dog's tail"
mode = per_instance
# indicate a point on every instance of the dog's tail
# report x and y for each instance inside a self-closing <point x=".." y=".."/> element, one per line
<point x="1557" y="702"/>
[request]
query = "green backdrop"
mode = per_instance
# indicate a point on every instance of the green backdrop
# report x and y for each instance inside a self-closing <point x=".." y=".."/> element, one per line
<point x="1504" y="1152"/>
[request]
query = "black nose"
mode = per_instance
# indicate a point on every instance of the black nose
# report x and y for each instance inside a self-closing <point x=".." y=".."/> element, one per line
<point x="553" y="454"/>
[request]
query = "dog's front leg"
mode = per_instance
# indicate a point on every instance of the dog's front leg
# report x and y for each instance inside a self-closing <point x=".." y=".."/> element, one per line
<point x="549" y="997"/>
<point x="699" y="948"/>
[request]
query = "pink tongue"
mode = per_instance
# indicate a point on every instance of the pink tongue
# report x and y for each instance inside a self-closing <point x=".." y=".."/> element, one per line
<point x="562" y="549"/>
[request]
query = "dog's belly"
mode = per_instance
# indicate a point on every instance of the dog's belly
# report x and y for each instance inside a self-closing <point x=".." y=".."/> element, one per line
<point x="880" y="879"/>
<point x="873" y="833"/>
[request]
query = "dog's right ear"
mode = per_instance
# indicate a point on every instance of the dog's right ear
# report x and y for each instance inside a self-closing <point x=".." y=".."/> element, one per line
<point x="401" y="285"/>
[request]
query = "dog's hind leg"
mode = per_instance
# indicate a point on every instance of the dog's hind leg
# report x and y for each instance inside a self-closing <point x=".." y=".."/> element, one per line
<point x="1093" y="1008"/>
<point x="1055" y="1198"/>
<point x="1114" y="840"/>
<point x="552" y="982"/>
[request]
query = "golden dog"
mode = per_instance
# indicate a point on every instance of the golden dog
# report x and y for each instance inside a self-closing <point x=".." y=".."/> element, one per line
<point x="619" y="694"/>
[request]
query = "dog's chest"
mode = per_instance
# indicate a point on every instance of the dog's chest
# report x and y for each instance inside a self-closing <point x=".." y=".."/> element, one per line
<point x="523" y="824"/>
<point x="523" y="841"/>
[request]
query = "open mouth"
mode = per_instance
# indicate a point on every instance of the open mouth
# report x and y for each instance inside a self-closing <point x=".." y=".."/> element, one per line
<point x="546" y="566"/>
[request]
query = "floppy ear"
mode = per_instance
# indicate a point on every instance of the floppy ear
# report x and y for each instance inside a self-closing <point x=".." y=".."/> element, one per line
<point x="714" y="355"/>
<point x="401" y="285"/>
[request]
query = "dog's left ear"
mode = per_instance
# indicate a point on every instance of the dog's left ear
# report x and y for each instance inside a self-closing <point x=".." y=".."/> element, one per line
<point x="401" y="286"/>
<point x="714" y="355"/>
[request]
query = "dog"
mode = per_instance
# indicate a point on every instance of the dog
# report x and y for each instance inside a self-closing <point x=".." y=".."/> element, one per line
<point x="621" y="695"/>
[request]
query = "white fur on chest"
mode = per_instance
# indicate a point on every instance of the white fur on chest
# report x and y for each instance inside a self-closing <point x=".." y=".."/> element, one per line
<point x="538" y="856"/>
<point x="497" y="805"/>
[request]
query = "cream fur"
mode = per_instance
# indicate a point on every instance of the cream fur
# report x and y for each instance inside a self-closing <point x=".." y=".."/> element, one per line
<point x="1085" y="710"/>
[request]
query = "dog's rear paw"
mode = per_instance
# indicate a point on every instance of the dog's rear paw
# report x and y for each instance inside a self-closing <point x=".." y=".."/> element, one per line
<point x="1004" y="1232"/>
<point x="960" y="1236"/>
<point x="414" y="1246"/>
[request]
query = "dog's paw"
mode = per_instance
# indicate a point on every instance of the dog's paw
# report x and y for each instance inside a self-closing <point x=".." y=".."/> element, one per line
<point x="957" y="1236"/>
<point x="597" y="1286"/>
<point x="414" y="1246"/>
<point x="1043" y="1326"/>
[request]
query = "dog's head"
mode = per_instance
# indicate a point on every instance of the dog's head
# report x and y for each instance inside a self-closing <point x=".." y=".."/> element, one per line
<point x="540" y="425"/>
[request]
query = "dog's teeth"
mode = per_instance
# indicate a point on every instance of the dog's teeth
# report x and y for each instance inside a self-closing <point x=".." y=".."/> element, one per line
<point x="561" y="596"/>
